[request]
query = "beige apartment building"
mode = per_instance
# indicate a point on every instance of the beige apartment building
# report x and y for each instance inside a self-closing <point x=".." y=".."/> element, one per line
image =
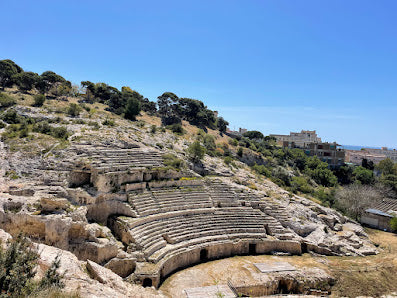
<point x="300" y="139"/>
<point x="313" y="146"/>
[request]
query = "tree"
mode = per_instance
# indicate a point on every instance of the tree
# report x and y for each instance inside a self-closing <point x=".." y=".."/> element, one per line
<point x="132" y="109"/>
<point x="355" y="198"/>
<point x="253" y="134"/>
<point x="8" y="69"/>
<point x="26" y="80"/>
<point x="368" y="164"/>
<point x="386" y="166"/>
<point x="168" y="108"/>
<point x="222" y="124"/>
<point x="196" y="152"/>
<point x="363" y="175"/>
<point x="18" y="263"/>
<point x="49" y="79"/>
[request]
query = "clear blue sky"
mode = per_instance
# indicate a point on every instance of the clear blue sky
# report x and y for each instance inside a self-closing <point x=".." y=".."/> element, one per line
<point x="276" y="66"/>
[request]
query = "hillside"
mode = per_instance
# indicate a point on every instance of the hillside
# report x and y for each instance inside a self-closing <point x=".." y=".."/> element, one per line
<point x="128" y="196"/>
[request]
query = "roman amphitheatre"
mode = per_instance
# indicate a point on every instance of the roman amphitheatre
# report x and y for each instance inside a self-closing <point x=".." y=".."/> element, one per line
<point x="127" y="224"/>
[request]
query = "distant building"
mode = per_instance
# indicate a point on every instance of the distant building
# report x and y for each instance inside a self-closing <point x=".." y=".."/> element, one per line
<point x="234" y="133"/>
<point x="357" y="156"/>
<point x="326" y="152"/>
<point x="392" y="154"/>
<point x="300" y="139"/>
<point x="313" y="146"/>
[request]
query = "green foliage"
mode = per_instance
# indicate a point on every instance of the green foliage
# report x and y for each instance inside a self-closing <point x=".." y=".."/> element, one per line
<point x="39" y="100"/>
<point x="386" y="166"/>
<point x="11" y="117"/>
<point x="171" y="160"/>
<point x="319" y="172"/>
<point x="390" y="181"/>
<point x="59" y="132"/>
<point x="261" y="169"/>
<point x="8" y="69"/>
<point x="228" y="160"/>
<point x="222" y="124"/>
<point x="176" y="128"/>
<point x="363" y="175"/>
<point x="393" y="224"/>
<point x="240" y="151"/>
<point x="196" y="152"/>
<point x="209" y="142"/>
<point x="300" y="183"/>
<point x="26" y="80"/>
<point x="107" y="122"/>
<point x="6" y="101"/>
<point x="18" y="264"/>
<point x="253" y="134"/>
<point x="153" y="129"/>
<point x="132" y="109"/>
<point x="74" y="110"/>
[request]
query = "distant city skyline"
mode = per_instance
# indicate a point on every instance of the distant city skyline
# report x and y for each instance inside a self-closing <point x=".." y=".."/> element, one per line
<point x="273" y="66"/>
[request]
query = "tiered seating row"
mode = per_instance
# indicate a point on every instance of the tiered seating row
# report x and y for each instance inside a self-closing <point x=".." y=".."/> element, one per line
<point x="222" y="195"/>
<point x="173" y="199"/>
<point x="153" y="233"/>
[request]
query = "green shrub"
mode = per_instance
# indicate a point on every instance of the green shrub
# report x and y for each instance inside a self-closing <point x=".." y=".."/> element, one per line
<point x="393" y="224"/>
<point x="300" y="184"/>
<point x="228" y="160"/>
<point x="39" y="100"/>
<point x="209" y="142"/>
<point x="18" y="263"/>
<point x="108" y="122"/>
<point x="11" y="117"/>
<point x="196" y="152"/>
<point x="6" y="101"/>
<point x="172" y="161"/>
<point x="240" y="151"/>
<point x="153" y="129"/>
<point x="60" y="132"/>
<point x="176" y="128"/>
<point x="261" y="169"/>
<point x="73" y="110"/>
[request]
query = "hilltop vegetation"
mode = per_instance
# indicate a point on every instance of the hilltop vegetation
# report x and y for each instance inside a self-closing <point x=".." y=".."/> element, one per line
<point x="288" y="168"/>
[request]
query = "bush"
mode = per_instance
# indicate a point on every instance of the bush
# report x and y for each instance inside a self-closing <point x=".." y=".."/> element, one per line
<point x="209" y="142"/>
<point x="132" y="109"/>
<point x="11" y="117"/>
<point x="172" y="161"/>
<point x="6" y="101"/>
<point x="43" y="127"/>
<point x="153" y="129"/>
<point x="261" y="169"/>
<point x="300" y="184"/>
<point x="393" y="224"/>
<point x="240" y="152"/>
<point x="228" y="160"/>
<point x="18" y="263"/>
<point x="39" y="100"/>
<point x="60" y="132"/>
<point x="73" y="110"/>
<point x="363" y="175"/>
<point x="107" y="122"/>
<point x="196" y="152"/>
<point x="176" y="128"/>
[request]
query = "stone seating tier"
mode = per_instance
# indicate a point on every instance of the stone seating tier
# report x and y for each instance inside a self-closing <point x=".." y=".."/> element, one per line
<point x="155" y="232"/>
